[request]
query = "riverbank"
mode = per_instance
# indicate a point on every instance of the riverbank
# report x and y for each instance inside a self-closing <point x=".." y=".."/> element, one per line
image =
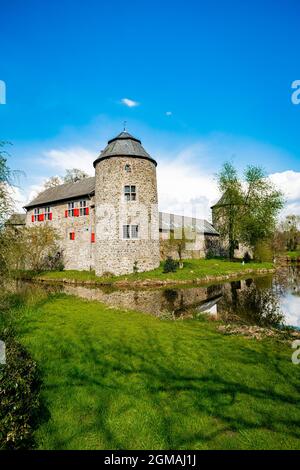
<point x="196" y="271"/>
<point x="115" y="378"/>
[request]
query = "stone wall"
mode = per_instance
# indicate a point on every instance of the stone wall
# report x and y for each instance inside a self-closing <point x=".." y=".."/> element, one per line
<point x="241" y="249"/>
<point x="79" y="253"/>
<point x="115" y="254"/>
<point x="203" y="246"/>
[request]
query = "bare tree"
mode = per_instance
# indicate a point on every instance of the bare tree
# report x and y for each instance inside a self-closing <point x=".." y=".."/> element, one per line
<point x="73" y="175"/>
<point x="53" y="182"/>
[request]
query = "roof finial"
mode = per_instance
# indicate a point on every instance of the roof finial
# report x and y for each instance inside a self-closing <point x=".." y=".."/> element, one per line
<point x="124" y="125"/>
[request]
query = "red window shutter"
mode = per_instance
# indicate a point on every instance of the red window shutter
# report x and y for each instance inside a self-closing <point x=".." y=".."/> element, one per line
<point x="32" y="218"/>
<point x="73" y="236"/>
<point x="93" y="237"/>
<point x="87" y="210"/>
<point x="42" y="217"/>
<point x="76" y="212"/>
<point x="50" y="216"/>
<point x="66" y="213"/>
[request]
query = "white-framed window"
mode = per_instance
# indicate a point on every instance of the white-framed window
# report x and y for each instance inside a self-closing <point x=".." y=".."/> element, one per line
<point x="126" y="231"/>
<point x="76" y="208"/>
<point x="36" y="214"/>
<point x="130" y="232"/>
<point x="134" y="231"/>
<point x="130" y="192"/>
<point x="47" y="212"/>
<point x="71" y="207"/>
<point x="82" y="207"/>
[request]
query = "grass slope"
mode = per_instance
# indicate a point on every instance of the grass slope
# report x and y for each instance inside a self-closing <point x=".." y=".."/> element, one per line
<point x="192" y="269"/>
<point x="116" y="379"/>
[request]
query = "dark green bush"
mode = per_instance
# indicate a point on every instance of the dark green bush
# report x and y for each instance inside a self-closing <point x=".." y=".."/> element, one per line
<point x="247" y="257"/>
<point x="170" y="265"/>
<point x="53" y="262"/>
<point x="19" y="397"/>
<point x="210" y="254"/>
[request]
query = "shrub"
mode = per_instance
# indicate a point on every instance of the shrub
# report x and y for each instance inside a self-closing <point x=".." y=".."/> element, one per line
<point x="170" y="265"/>
<point x="247" y="257"/>
<point x="135" y="267"/>
<point x="20" y="408"/>
<point x="263" y="252"/>
<point x="32" y="248"/>
<point x="19" y="397"/>
<point x="107" y="274"/>
<point x="41" y="243"/>
<point x="53" y="262"/>
<point x="210" y="254"/>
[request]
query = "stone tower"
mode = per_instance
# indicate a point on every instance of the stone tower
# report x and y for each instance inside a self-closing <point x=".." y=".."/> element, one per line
<point x="126" y="210"/>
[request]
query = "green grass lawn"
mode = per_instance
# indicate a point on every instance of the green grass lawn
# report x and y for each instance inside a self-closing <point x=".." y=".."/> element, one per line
<point x="192" y="269"/>
<point x="115" y="379"/>
<point x="293" y="254"/>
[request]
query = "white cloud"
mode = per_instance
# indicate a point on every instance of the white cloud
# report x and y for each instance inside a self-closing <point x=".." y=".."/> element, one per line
<point x="289" y="183"/>
<point x="185" y="189"/>
<point x="169" y="113"/>
<point x="19" y="197"/>
<point x="129" y="103"/>
<point x="60" y="160"/>
<point x="73" y="157"/>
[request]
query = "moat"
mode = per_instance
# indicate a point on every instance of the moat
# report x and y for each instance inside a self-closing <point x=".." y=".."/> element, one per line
<point x="272" y="300"/>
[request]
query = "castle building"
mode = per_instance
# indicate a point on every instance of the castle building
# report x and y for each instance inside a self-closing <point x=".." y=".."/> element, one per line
<point x="110" y="222"/>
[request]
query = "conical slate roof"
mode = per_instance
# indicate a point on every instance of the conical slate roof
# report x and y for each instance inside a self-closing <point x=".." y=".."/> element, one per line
<point x="124" y="144"/>
<point x="223" y="201"/>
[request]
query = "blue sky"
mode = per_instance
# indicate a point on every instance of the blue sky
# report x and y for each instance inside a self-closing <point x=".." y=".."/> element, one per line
<point x="222" y="71"/>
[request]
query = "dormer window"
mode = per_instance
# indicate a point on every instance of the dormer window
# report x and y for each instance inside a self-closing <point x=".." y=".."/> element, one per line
<point x="130" y="193"/>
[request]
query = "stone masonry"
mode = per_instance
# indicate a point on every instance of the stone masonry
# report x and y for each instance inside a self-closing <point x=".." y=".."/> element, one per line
<point x="110" y="223"/>
<point x="114" y="253"/>
<point x="79" y="253"/>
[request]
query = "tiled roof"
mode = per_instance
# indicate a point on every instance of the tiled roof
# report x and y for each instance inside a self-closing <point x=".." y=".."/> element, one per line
<point x="84" y="187"/>
<point x="172" y="222"/>
<point x="16" y="219"/>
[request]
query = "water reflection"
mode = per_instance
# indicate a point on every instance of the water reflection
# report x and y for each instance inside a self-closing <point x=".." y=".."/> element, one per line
<point x="254" y="302"/>
<point x="176" y="302"/>
<point x="264" y="301"/>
